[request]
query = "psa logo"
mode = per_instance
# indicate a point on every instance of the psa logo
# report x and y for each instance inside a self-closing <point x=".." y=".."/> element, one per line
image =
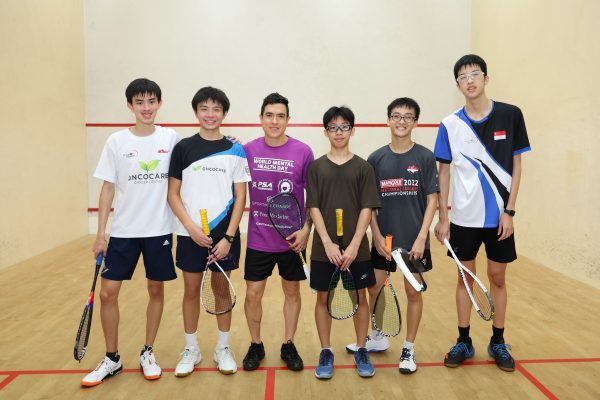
<point x="151" y="166"/>
<point x="263" y="185"/>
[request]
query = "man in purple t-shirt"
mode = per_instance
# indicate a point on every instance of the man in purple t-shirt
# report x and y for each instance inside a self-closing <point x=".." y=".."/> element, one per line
<point x="278" y="163"/>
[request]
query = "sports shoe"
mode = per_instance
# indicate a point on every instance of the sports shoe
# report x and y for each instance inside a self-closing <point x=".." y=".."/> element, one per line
<point x="255" y="354"/>
<point x="104" y="370"/>
<point x="149" y="366"/>
<point x="499" y="351"/>
<point x="189" y="358"/>
<point x="290" y="355"/>
<point x="225" y="361"/>
<point x="458" y="353"/>
<point x="325" y="368"/>
<point x="375" y="344"/>
<point x="363" y="365"/>
<point x="408" y="362"/>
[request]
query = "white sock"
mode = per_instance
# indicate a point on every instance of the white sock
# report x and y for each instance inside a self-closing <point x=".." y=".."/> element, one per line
<point x="408" y="345"/>
<point x="191" y="340"/>
<point x="223" y="340"/>
<point x="327" y="348"/>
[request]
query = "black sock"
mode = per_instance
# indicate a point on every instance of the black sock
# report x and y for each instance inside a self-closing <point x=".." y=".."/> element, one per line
<point x="114" y="357"/>
<point x="146" y="348"/>
<point x="497" y="335"/>
<point x="463" y="334"/>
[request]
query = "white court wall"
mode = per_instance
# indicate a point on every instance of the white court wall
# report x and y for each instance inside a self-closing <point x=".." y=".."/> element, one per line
<point x="44" y="175"/>
<point x="545" y="57"/>
<point x="317" y="53"/>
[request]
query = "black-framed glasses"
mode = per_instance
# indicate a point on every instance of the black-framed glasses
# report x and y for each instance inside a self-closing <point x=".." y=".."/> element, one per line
<point x="334" y="128"/>
<point x="409" y="119"/>
<point x="471" y="75"/>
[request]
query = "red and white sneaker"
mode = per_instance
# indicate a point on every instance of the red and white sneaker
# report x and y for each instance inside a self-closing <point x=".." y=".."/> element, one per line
<point x="104" y="370"/>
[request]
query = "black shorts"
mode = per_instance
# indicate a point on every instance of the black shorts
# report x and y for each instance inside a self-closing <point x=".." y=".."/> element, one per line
<point x="259" y="265"/>
<point x="123" y="255"/>
<point x="380" y="262"/>
<point x="190" y="257"/>
<point x="321" y="271"/>
<point x="466" y="242"/>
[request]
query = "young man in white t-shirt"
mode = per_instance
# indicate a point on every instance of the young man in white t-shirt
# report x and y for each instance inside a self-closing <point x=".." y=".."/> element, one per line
<point x="135" y="164"/>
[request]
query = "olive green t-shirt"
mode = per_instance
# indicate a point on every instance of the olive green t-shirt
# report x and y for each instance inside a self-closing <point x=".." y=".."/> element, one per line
<point x="351" y="187"/>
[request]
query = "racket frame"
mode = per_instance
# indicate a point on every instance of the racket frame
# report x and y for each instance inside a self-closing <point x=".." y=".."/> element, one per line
<point x="397" y="255"/>
<point x="88" y="309"/>
<point x="339" y="272"/>
<point x="388" y="282"/>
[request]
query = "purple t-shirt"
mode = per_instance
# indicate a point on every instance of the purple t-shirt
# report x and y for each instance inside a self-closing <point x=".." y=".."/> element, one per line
<point x="274" y="170"/>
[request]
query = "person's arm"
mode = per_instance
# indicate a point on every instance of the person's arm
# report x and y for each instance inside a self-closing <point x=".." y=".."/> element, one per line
<point x="351" y="251"/>
<point x="332" y="250"/>
<point x="176" y="204"/>
<point x="505" y="226"/>
<point x="107" y="195"/>
<point x="378" y="239"/>
<point x="442" y="228"/>
<point x="222" y="248"/>
<point x="418" y="247"/>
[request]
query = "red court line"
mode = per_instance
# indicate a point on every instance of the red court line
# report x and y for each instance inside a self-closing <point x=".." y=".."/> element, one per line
<point x="7" y="380"/>
<point x="241" y="125"/>
<point x="535" y="382"/>
<point x="270" y="385"/>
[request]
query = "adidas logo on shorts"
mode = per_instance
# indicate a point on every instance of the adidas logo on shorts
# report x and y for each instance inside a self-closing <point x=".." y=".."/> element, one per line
<point x="166" y="243"/>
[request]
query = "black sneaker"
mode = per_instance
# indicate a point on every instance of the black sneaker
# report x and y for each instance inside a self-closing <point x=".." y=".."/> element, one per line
<point x="255" y="354"/>
<point x="290" y="355"/>
<point x="458" y="353"/>
<point x="499" y="351"/>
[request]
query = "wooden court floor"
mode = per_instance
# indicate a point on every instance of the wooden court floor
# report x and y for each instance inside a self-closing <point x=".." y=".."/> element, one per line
<point x="552" y="325"/>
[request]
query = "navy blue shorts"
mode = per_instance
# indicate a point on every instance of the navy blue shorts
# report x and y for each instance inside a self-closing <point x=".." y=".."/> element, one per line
<point x="466" y="243"/>
<point x="321" y="271"/>
<point x="380" y="262"/>
<point x="123" y="255"/>
<point x="259" y="265"/>
<point x="192" y="258"/>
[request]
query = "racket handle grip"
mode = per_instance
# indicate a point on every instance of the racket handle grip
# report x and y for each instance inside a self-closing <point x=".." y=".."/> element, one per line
<point x="339" y="222"/>
<point x="204" y="220"/>
<point x="388" y="242"/>
<point x="99" y="259"/>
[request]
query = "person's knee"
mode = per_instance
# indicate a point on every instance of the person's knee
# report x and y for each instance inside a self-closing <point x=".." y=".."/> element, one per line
<point x="156" y="289"/>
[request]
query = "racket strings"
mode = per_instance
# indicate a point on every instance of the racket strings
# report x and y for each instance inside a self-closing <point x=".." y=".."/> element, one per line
<point x="83" y="337"/>
<point x="284" y="213"/>
<point x="343" y="297"/>
<point x="218" y="297"/>
<point x="486" y="309"/>
<point x="386" y="313"/>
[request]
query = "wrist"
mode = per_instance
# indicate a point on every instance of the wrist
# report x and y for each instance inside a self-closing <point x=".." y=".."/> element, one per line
<point x="229" y="238"/>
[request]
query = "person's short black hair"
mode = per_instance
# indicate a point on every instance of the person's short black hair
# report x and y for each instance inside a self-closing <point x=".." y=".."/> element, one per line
<point x="334" y="112"/>
<point x="142" y="86"/>
<point x="210" y="93"/>
<point x="470" y="59"/>
<point x="275" y="98"/>
<point x="404" y="102"/>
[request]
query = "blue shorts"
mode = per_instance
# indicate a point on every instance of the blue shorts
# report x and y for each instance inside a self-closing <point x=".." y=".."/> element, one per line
<point x="123" y="255"/>
<point x="192" y="258"/>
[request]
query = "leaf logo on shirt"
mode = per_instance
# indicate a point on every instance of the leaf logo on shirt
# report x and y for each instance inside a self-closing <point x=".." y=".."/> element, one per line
<point x="150" y="166"/>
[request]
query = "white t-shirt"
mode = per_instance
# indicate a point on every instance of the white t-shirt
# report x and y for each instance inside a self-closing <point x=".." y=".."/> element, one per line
<point x="139" y="168"/>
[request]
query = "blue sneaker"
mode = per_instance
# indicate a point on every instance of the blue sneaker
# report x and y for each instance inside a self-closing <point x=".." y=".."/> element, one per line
<point x="363" y="366"/>
<point x="458" y="353"/>
<point x="325" y="368"/>
<point x="499" y="351"/>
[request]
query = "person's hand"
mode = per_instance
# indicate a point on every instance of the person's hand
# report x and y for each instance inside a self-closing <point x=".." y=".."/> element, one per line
<point x="505" y="227"/>
<point x="298" y="239"/>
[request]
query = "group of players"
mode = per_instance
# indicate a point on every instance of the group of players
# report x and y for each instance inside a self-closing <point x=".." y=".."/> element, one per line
<point x="396" y="192"/>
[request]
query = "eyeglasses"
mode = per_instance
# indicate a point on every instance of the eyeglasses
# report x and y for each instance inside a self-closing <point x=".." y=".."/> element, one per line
<point x="334" y="128"/>
<point x="409" y="119"/>
<point x="471" y="75"/>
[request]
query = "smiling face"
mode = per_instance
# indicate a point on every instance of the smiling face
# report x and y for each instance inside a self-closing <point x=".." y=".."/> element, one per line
<point x="338" y="131"/>
<point x="210" y="115"/>
<point x="471" y="81"/>
<point x="402" y="121"/>
<point x="144" y="107"/>
<point x="274" y="120"/>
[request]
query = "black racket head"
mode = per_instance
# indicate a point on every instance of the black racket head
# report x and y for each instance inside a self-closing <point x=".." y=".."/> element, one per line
<point x="216" y="293"/>
<point x="83" y="333"/>
<point x="386" y="312"/>
<point x="342" y="299"/>
<point x="285" y="214"/>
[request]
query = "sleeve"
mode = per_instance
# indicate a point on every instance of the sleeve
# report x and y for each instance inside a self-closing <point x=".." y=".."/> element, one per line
<point x="430" y="175"/>
<point x="521" y="141"/>
<point x="107" y="165"/>
<point x="372" y="160"/>
<point x="241" y="171"/>
<point x="308" y="160"/>
<point x="312" y="192"/>
<point x="175" y="167"/>
<point x="369" y="195"/>
<point x="442" y="150"/>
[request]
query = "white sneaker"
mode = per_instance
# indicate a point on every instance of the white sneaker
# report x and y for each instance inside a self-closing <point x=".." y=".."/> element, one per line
<point x="189" y="358"/>
<point x="104" y="370"/>
<point x="374" y="344"/>
<point x="149" y="366"/>
<point x="408" y="362"/>
<point x="225" y="361"/>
